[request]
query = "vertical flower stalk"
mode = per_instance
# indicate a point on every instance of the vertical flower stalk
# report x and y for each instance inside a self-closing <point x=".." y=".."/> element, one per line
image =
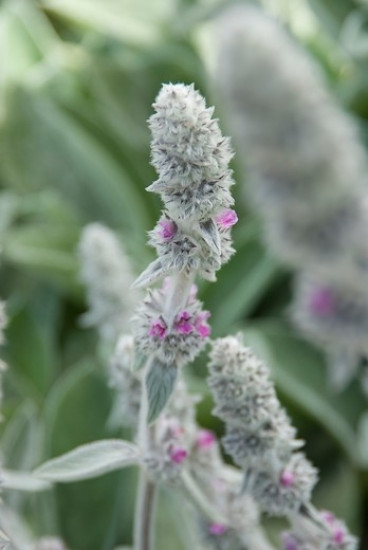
<point x="192" y="237"/>
<point x="306" y="168"/>
<point x="107" y="273"/>
<point x="261" y="440"/>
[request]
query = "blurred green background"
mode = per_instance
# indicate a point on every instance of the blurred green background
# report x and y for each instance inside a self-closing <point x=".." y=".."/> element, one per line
<point x="77" y="80"/>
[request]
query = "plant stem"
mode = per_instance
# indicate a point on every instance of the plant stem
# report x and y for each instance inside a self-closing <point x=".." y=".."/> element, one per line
<point x="145" y="503"/>
<point x="144" y="514"/>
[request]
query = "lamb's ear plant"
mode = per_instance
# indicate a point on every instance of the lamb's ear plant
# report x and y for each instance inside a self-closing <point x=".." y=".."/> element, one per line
<point x="170" y="328"/>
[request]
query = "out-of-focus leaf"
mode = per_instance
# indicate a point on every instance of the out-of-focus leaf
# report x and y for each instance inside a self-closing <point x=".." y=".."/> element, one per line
<point x="363" y="440"/>
<point x="90" y="460"/>
<point x="22" y="481"/>
<point x="241" y="283"/>
<point x="135" y="22"/>
<point x="29" y="359"/>
<point x="42" y="145"/>
<point x="299" y="371"/>
<point x="21" y="440"/>
<point x="76" y="413"/>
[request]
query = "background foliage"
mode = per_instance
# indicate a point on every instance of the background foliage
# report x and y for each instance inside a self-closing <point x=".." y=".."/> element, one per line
<point x="77" y="80"/>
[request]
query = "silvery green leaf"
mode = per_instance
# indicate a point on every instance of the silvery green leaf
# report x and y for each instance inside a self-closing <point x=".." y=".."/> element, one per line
<point x="91" y="460"/>
<point x="160" y="384"/>
<point x="139" y="360"/>
<point x="363" y="440"/>
<point x="154" y="271"/>
<point x="22" y="481"/>
<point x="210" y="234"/>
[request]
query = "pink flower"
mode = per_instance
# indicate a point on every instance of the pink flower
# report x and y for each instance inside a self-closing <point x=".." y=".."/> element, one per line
<point x="339" y="535"/>
<point x="217" y="529"/>
<point x="322" y="302"/>
<point x="226" y="219"/>
<point x="182" y="323"/>
<point x="158" y="329"/>
<point x="178" y="454"/>
<point x="289" y="542"/>
<point x="167" y="229"/>
<point x="205" y="439"/>
<point x="287" y="478"/>
<point x="200" y="325"/>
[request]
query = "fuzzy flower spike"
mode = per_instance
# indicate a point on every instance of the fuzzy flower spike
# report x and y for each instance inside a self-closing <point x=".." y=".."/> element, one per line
<point x="191" y="238"/>
<point x="192" y="161"/>
<point x="261" y="440"/>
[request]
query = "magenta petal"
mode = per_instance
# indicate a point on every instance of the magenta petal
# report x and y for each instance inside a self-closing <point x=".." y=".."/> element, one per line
<point x="226" y="219"/>
<point x="217" y="529"/>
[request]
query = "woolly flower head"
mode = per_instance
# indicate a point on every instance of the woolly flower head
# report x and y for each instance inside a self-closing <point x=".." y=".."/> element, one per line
<point x="287" y="130"/>
<point x="190" y="154"/>
<point x="175" y="342"/>
<point x="191" y="158"/>
<point x="126" y="383"/>
<point x="336" y="317"/>
<point x="174" y="442"/>
<point x="307" y="536"/>
<point x="107" y="274"/>
<point x="259" y="435"/>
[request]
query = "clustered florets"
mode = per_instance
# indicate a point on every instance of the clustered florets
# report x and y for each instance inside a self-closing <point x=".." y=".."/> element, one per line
<point x="107" y="274"/>
<point x="199" y="247"/>
<point x="126" y="382"/>
<point x="190" y="155"/>
<point x="259" y="435"/>
<point x="174" y="343"/>
<point x="336" y="317"/>
<point x="192" y="161"/>
<point x="334" y="535"/>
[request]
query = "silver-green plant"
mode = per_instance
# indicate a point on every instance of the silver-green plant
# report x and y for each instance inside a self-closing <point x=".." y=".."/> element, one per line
<point x="170" y="329"/>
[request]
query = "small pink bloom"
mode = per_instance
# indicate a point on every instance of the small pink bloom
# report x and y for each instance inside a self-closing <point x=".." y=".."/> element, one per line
<point x="287" y="478"/>
<point x="339" y="535"/>
<point x="167" y="229"/>
<point x="328" y="517"/>
<point x="158" y="329"/>
<point x="182" y="323"/>
<point x="205" y="439"/>
<point x="178" y="454"/>
<point x="289" y="542"/>
<point x="202" y="328"/>
<point x="226" y="219"/>
<point x="217" y="529"/>
<point x="322" y="302"/>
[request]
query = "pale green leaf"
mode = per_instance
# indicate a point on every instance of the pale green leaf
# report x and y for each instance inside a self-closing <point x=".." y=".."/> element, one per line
<point x="160" y="384"/>
<point x="90" y="460"/>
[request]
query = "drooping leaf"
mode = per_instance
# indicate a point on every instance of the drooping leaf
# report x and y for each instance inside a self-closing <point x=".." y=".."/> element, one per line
<point x="160" y="384"/>
<point x="22" y="481"/>
<point x="88" y="461"/>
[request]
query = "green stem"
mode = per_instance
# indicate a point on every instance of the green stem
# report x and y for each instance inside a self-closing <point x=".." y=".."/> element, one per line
<point x="144" y="514"/>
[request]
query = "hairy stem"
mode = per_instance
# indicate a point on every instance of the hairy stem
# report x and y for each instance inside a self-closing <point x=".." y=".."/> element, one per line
<point x="145" y="503"/>
<point x="144" y="514"/>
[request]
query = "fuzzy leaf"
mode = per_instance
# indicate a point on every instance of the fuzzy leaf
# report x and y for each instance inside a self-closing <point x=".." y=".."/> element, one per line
<point x="91" y="460"/>
<point x="22" y="481"/>
<point x="210" y="234"/>
<point x="160" y="384"/>
<point x="154" y="271"/>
